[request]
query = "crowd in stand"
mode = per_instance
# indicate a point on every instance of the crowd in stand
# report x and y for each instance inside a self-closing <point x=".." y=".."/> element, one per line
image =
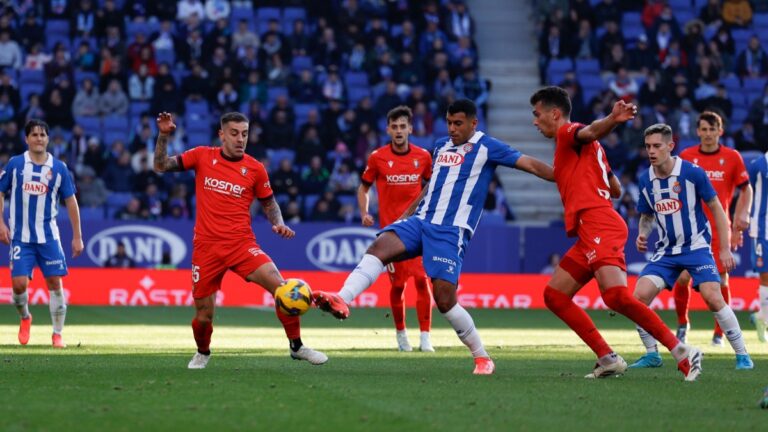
<point x="315" y="78"/>
<point x="673" y="58"/>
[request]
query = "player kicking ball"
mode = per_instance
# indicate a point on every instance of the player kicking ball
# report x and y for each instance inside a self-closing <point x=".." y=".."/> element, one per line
<point x="398" y="170"/>
<point x="671" y="194"/>
<point x="35" y="181"/>
<point x="227" y="181"/>
<point x="446" y="215"/>
<point x="586" y="185"/>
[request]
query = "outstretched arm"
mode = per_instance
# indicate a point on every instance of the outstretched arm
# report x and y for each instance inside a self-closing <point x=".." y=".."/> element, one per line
<point x="163" y="162"/>
<point x="535" y="167"/>
<point x="275" y="217"/>
<point x="621" y="113"/>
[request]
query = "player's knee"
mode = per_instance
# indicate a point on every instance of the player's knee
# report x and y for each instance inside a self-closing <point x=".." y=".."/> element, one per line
<point x="712" y="296"/>
<point x="445" y="299"/>
<point x="397" y="291"/>
<point x="53" y="282"/>
<point x="617" y="298"/>
<point x="553" y="298"/>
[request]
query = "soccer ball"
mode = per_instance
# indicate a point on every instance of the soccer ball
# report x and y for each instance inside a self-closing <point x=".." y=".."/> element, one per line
<point x="294" y="297"/>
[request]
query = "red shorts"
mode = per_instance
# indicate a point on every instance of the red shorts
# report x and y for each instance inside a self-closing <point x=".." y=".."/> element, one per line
<point x="602" y="236"/>
<point x="211" y="259"/>
<point x="400" y="272"/>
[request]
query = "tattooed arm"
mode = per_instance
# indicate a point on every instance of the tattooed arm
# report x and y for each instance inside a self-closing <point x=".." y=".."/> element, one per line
<point x="275" y="217"/>
<point x="643" y="231"/>
<point x="163" y="162"/>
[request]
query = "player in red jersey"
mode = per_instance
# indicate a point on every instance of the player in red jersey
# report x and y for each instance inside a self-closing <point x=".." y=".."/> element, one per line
<point x="727" y="172"/>
<point x="226" y="183"/>
<point x="586" y="186"/>
<point x="398" y="170"/>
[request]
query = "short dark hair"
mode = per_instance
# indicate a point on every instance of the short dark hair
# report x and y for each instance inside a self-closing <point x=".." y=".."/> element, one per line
<point x="35" y="123"/>
<point x="400" y="111"/>
<point x="659" y="128"/>
<point x="465" y="106"/>
<point x="710" y="117"/>
<point x="553" y="96"/>
<point x="232" y="117"/>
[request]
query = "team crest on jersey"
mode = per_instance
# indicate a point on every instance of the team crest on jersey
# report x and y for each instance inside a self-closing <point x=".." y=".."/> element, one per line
<point x="390" y="163"/>
<point x="722" y="161"/>
<point x="215" y="161"/>
<point x="49" y="175"/>
<point x="415" y="163"/>
<point x="467" y="148"/>
<point x="668" y="206"/>
<point x="243" y="170"/>
<point x="676" y="188"/>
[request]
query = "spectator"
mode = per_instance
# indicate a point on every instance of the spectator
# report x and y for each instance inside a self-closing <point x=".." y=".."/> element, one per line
<point x="141" y="85"/>
<point x="94" y="156"/>
<point x="605" y="11"/>
<point x="553" y="262"/>
<point x="584" y="44"/>
<point x="623" y="85"/>
<point x="326" y="209"/>
<point x="187" y="8"/>
<point x="737" y="13"/>
<point x="471" y="86"/>
<point x="642" y="58"/>
<point x="120" y="259"/>
<point x="86" y="103"/>
<point x="753" y="61"/>
<point x="315" y="177"/>
<point x="244" y="38"/>
<point x="333" y="88"/>
<point x="299" y="40"/>
<point x="114" y="100"/>
<point x="36" y="58"/>
<point x="746" y="140"/>
<point x="33" y="110"/>
<point x="343" y="180"/>
<point x="280" y="133"/>
<point x="118" y="176"/>
<point x="683" y="121"/>
<point x="58" y="113"/>
<point x="292" y="212"/>
<point x="152" y="201"/>
<point x="720" y="102"/>
<point x="91" y="190"/>
<point x="10" y="140"/>
<point x="217" y="9"/>
<point x="711" y="14"/>
<point x="10" y="52"/>
<point x="30" y="33"/>
<point x="285" y="181"/>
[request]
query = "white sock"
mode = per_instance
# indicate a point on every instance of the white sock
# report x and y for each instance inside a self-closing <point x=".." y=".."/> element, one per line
<point x="763" y="296"/>
<point x="58" y="308"/>
<point x="730" y="325"/>
<point x="680" y="351"/>
<point x="648" y="340"/>
<point x="21" y="301"/>
<point x="362" y="277"/>
<point x="461" y="321"/>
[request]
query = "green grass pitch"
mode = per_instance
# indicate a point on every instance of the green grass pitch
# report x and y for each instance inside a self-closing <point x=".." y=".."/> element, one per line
<point x="125" y="370"/>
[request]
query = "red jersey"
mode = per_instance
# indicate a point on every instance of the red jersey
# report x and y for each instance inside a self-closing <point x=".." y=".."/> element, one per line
<point x="581" y="175"/>
<point x="725" y="169"/>
<point x="225" y="190"/>
<point x="398" y="178"/>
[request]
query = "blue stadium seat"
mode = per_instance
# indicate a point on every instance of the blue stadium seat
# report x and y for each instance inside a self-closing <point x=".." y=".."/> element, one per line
<point x="57" y="27"/>
<point x="300" y="63"/>
<point x="738" y="117"/>
<point x="240" y="13"/>
<point x="587" y="66"/>
<point x="118" y="123"/>
<point x="147" y="27"/>
<point x="138" y="107"/>
<point x="754" y="85"/>
<point x="681" y="4"/>
<point x="198" y="138"/>
<point x="165" y="56"/>
<point x="110" y="136"/>
<point x="32" y="76"/>
<point x="760" y="20"/>
<point x="92" y="213"/>
<point x="80" y="76"/>
<point x="118" y="200"/>
<point x="560" y="65"/>
<point x="282" y="199"/>
<point x="196" y="107"/>
<point x="631" y="19"/>
<point x="277" y="155"/>
<point x="56" y="39"/>
<point x="308" y="203"/>
<point x="356" y="94"/>
<point x="424" y="142"/>
<point x="440" y="128"/>
<point x="267" y="13"/>
<point x="395" y="30"/>
<point x="91" y="125"/>
<point x="751" y="155"/>
<point x="274" y="92"/>
<point x="28" y="89"/>
<point x="732" y="83"/>
<point x="347" y="199"/>
<point x="492" y="219"/>
<point x="198" y="122"/>
<point x="356" y="79"/>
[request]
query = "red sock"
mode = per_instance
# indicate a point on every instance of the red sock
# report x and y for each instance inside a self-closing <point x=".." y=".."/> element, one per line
<point x="291" y="324"/>
<point x="202" y="332"/>
<point x="682" y="294"/>
<point x="397" y="302"/>
<point x="424" y="303"/>
<point x="726" y="290"/>
<point x="578" y="320"/>
<point x="620" y="300"/>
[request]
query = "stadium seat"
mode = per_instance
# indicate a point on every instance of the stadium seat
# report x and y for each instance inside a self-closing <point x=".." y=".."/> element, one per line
<point x="751" y="155"/>
<point x="196" y="107"/>
<point x="760" y="20"/>
<point x="28" y="89"/>
<point x="117" y="200"/>
<point x="754" y="85"/>
<point x="147" y="27"/>
<point x="92" y="213"/>
<point x="115" y="123"/>
<point x="267" y="13"/>
<point x="300" y="63"/>
<point x="492" y="219"/>
<point x="57" y="27"/>
<point x="356" y="94"/>
<point x="424" y="142"/>
<point x="80" y="76"/>
<point x="274" y="92"/>
<point x="198" y="138"/>
<point x="277" y="155"/>
<point x="590" y="66"/>
<point x="138" y="107"/>
<point x="356" y="79"/>
<point x="91" y="125"/>
<point x="110" y="136"/>
<point x="291" y="14"/>
<point x="560" y="65"/>
<point x="347" y="199"/>
<point x="165" y="56"/>
<point x="308" y="203"/>
<point x="440" y="128"/>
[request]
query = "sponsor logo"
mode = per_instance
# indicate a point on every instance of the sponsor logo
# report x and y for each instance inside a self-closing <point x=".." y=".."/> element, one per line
<point x="449" y="159"/>
<point x="710" y="267"/>
<point x="402" y="178"/>
<point x="145" y="244"/>
<point x="339" y="249"/>
<point x="668" y="206"/>
<point x="591" y="255"/>
<point x="715" y="175"/>
<point x="221" y="186"/>
<point x="444" y="260"/>
<point x="604" y="193"/>
<point x="35" y="188"/>
<point x="255" y="251"/>
<point x="54" y="262"/>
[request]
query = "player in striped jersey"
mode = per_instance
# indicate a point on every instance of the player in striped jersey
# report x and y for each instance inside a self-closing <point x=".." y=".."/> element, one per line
<point x="36" y="181"/>
<point x="448" y="213"/>
<point x="672" y="192"/>
<point x="758" y="231"/>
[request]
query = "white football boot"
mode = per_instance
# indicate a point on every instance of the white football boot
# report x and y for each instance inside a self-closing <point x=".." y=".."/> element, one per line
<point x="425" y="345"/>
<point x="199" y="361"/>
<point x="312" y="356"/>
<point x="402" y="341"/>
<point x="614" y="369"/>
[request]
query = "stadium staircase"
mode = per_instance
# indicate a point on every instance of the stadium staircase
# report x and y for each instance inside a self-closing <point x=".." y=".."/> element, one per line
<point x="507" y="43"/>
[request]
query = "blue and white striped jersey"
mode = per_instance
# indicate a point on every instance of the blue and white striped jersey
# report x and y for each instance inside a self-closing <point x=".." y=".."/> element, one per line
<point x="676" y="201"/>
<point x="34" y="195"/>
<point x="758" y="177"/>
<point x="460" y="178"/>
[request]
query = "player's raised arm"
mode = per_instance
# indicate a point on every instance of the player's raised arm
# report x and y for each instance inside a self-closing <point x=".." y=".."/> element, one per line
<point x="621" y="113"/>
<point x="363" y="201"/>
<point x="644" y="231"/>
<point x="74" y="218"/>
<point x="535" y="167"/>
<point x="166" y="127"/>
<point x="721" y="224"/>
<point x="275" y="217"/>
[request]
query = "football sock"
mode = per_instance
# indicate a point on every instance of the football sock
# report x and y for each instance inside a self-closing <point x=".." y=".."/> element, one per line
<point x="362" y="277"/>
<point x="726" y="290"/>
<point x="563" y="306"/>
<point x="58" y="307"/>
<point x="202" y="332"/>
<point x="397" y="302"/>
<point x="424" y="303"/>
<point x="295" y="344"/>
<point x="21" y="301"/>
<point x="608" y="359"/>
<point x="730" y="325"/>
<point x="620" y="300"/>
<point x="461" y="321"/>
<point x="763" y="296"/>
<point x="291" y="324"/>
<point x="650" y="343"/>
<point x="682" y="295"/>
